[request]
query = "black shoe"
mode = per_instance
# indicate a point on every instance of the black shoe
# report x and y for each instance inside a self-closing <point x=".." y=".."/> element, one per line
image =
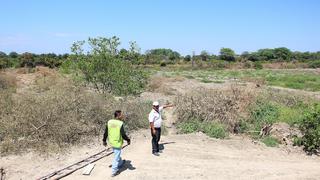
<point x="156" y="154"/>
<point x="123" y="163"/>
<point x="115" y="174"/>
<point x="160" y="151"/>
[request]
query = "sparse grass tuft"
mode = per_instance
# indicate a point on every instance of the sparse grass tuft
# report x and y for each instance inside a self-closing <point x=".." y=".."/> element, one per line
<point x="270" y="141"/>
<point x="212" y="129"/>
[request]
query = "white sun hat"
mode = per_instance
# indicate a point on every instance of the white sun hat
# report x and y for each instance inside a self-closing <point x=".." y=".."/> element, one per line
<point x="155" y="103"/>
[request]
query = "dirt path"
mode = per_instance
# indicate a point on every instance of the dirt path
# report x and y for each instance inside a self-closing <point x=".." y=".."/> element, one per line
<point x="198" y="157"/>
<point x="192" y="156"/>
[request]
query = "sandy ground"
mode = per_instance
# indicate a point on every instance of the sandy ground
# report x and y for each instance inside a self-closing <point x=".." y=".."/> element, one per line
<point x="193" y="156"/>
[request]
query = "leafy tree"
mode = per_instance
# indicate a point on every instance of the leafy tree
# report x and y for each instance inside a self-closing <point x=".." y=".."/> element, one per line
<point x="3" y="60"/>
<point x="245" y="55"/>
<point x="13" y="54"/>
<point x="27" y="60"/>
<point x="134" y="52"/>
<point x="3" y="54"/>
<point x="266" y="54"/>
<point x="187" y="58"/>
<point x="104" y="46"/>
<point x="227" y="54"/>
<point x="104" y="68"/>
<point x="282" y="54"/>
<point x="204" y="55"/>
<point x="124" y="54"/>
<point x="159" y="55"/>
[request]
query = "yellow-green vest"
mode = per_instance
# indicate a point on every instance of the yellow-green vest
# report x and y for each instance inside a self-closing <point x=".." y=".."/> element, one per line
<point x="114" y="135"/>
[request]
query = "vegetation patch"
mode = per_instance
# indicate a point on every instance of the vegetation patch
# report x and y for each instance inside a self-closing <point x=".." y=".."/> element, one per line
<point x="270" y="141"/>
<point x="212" y="129"/>
<point x="62" y="114"/>
<point x="310" y="128"/>
<point x="303" y="80"/>
<point x="104" y="69"/>
<point x="223" y="107"/>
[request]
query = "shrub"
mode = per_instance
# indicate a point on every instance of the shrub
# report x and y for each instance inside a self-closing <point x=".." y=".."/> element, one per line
<point x="220" y="106"/>
<point x="310" y="128"/>
<point x="205" y="80"/>
<point x="270" y="141"/>
<point x="212" y="129"/>
<point x="51" y="120"/>
<point x="189" y="126"/>
<point x="136" y="112"/>
<point x="163" y="64"/>
<point x="218" y="64"/>
<point x="247" y="64"/>
<point x="105" y="70"/>
<point x="215" y="130"/>
<point x="262" y="113"/>
<point x="258" y="65"/>
<point x="314" y="64"/>
<point x="59" y="116"/>
<point x="7" y="81"/>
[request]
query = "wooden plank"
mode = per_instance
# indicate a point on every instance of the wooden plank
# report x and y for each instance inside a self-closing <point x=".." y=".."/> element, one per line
<point x="87" y="170"/>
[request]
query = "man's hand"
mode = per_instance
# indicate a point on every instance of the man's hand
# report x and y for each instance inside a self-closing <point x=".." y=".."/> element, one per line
<point x="104" y="143"/>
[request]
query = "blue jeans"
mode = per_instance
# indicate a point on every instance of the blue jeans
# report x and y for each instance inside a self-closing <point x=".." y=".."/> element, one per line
<point x="117" y="161"/>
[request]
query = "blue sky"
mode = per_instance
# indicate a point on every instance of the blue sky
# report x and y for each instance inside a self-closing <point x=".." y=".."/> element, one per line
<point x="43" y="26"/>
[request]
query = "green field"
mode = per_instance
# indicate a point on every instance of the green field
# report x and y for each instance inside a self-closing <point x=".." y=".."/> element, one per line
<point x="295" y="79"/>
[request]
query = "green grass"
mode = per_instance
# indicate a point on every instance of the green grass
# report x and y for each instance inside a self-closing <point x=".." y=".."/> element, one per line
<point x="262" y="113"/>
<point x="292" y="115"/>
<point x="218" y="81"/>
<point x="268" y="111"/>
<point x="206" y="81"/>
<point x="212" y="129"/>
<point x="305" y="80"/>
<point x="189" y="77"/>
<point x="270" y="141"/>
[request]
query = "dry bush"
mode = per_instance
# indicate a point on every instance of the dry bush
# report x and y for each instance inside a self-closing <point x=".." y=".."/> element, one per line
<point x="136" y="112"/>
<point x="7" y="81"/>
<point x="207" y="105"/>
<point x="59" y="116"/>
<point x="158" y="84"/>
<point x="286" y="98"/>
<point x="285" y="65"/>
<point x="155" y="83"/>
<point x="22" y="70"/>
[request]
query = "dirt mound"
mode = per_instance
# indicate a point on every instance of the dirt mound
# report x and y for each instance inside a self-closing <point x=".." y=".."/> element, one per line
<point x="284" y="133"/>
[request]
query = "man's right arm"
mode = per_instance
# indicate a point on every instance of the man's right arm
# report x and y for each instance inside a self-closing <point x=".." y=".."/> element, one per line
<point x="151" y="121"/>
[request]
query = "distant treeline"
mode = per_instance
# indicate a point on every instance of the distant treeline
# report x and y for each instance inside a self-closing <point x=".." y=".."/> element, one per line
<point x="164" y="56"/>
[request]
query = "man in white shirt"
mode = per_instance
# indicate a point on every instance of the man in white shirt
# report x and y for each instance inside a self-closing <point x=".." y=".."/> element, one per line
<point x="155" y="121"/>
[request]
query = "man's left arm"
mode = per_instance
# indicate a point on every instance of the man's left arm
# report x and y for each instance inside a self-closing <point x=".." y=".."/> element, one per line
<point x="124" y="135"/>
<point x="168" y="105"/>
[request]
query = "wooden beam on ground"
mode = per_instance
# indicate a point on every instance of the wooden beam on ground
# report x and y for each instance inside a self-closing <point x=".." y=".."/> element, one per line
<point x="87" y="170"/>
